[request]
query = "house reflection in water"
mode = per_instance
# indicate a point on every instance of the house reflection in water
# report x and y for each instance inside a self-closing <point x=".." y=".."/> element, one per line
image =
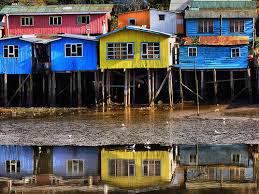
<point x="132" y="167"/>
<point x="16" y="161"/>
<point x="218" y="163"/>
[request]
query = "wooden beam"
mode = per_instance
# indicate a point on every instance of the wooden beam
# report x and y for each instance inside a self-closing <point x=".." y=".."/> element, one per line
<point x="202" y="84"/>
<point x="53" y="80"/>
<point x="126" y="88"/>
<point x="149" y="86"/>
<point x="249" y="85"/>
<point x="181" y="85"/>
<point x="71" y="89"/>
<point x="79" y="89"/>
<point x="134" y="87"/>
<point x="5" y="90"/>
<point x="232" y="86"/>
<point x="215" y="86"/>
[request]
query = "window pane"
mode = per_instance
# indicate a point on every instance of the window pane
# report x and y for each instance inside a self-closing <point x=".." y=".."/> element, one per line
<point x="59" y="20"/>
<point x="130" y="48"/>
<point x="18" y="166"/>
<point x="69" y="166"/>
<point x="11" y="49"/>
<point x="16" y="51"/>
<point x="8" y="166"/>
<point x="157" y="168"/>
<point x="81" y="166"/>
<point x="118" y="168"/>
<point x="111" y="167"/>
<point x="79" y="50"/>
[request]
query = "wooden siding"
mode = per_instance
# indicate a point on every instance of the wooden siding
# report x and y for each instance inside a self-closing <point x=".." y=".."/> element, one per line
<point x="142" y="18"/>
<point x="59" y="62"/>
<point x="22" y="153"/>
<point x="61" y="154"/>
<point x="20" y="65"/>
<point x="213" y="57"/>
<point x="138" y="180"/>
<point x="192" y="28"/>
<point x="69" y="25"/>
<point x="136" y="37"/>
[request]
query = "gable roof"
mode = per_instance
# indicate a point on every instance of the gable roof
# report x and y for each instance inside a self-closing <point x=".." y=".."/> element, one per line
<point x="179" y="5"/>
<point x="136" y="28"/>
<point x="216" y="13"/>
<point x="216" y="40"/>
<point x="57" y="9"/>
<point x="223" y="4"/>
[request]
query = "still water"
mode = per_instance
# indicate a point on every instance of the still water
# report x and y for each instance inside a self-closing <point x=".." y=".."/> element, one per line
<point x="141" y="168"/>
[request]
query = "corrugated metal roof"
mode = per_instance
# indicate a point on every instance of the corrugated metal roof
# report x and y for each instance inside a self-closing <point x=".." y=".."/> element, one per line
<point x="215" y="40"/>
<point x="223" y="4"/>
<point x="136" y="28"/>
<point x="52" y="9"/>
<point x="215" y="13"/>
<point x="77" y="36"/>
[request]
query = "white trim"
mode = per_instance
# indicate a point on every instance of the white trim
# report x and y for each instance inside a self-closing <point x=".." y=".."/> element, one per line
<point x="57" y="20"/>
<point x="11" y="53"/>
<point x="76" y="49"/>
<point x="78" y="173"/>
<point x="16" y="161"/>
<point x="83" y="16"/>
<point x="232" y="52"/>
<point x="192" y="48"/>
<point x="148" y="166"/>
<point x="25" y="17"/>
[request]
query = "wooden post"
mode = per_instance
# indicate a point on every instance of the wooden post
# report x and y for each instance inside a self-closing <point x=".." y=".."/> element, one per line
<point x="71" y="89"/>
<point x="20" y="91"/>
<point x="103" y="87"/>
<point x="170" y="88"/>
<point x="79" y="89"/>
<point x="96" y="86"/>
<point x="126" y="88"/>
<point x="28" y="92"/>
<point x="257" y="80"/>
<point x="232" y="86"/>
<point x="215" y="86"/>
<point x="31" y="91"/>
<point x="149" y="86"/>
<point x="43" y="90"/>
<point x="153" y="87"/>
<point x="49" y="89"/>
<point x="202" y="83"/>
<point x="249" y="85"/>
<point x="129" y="85"/>
<point x="5" y="90"/>
<point x="181" y="85"/>
<point x="53" y="99"/>
<point x="134" y="87"/>
<point x="108" y="88"/>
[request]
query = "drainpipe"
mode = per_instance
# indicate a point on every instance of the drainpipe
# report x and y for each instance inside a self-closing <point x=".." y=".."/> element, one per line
<point x="7" y="24"/>
<point x="220" y="25"/>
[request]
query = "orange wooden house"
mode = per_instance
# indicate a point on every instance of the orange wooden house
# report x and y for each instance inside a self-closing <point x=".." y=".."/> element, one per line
<point x="159" y="20"/>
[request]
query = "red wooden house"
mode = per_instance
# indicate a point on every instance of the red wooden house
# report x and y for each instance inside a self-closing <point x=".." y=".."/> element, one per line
<point x="53" y="19"/>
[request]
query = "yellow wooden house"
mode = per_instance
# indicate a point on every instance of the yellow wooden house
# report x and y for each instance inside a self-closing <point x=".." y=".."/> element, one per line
<point x="136" y="169"/>
<point x="136" y="47"/>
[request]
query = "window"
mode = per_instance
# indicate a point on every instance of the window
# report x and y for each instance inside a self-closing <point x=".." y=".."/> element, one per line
<point x="55" y="20"/>
<point x="161" y="17"/>
<point x="235" y="158"/>
<point x="10" y="51"/>
<point x="118" y="167"/>
<point x="27" y="21"/>
<point x="192" y="52"/>
<point x="75" y="167"/>
<point x="13" y="166"/>
<point x="235" y="52"/>
<point x="84" y="19"/>
<point x="206" y="26"/>
<point x="132" y="22"/>
<point x="74" y="50"/>
<point x="150" y="50"/>
<point x="120" y="50"/>
<point x="192" y="159"/>
<point x="237" y="26"/>
<point x="151" y="168"/>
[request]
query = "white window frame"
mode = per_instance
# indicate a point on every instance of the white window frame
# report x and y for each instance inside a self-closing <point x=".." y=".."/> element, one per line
<point x="205" y="26"/>
<point x="148" y="166"/>
<point x="192" y="48"/>
<point x="76" y="44"/>
<point x="232" y="157"/>
<point x="80" y="16"/>
<point x="54" y="20"/>
<point x="14" y="164"/>
<point x="132" y="19"/>
<point x="120" y="47"/>
<point x="190" y="162"/>
<point x="236" y="22"/>
<point x="11" y="55"/>
<point x="115" y="166"/>
<point x="25" y="18"/>
<point x="77" y="173"/>
<point x="153" y="58"/>
<point x="232" y="49"/>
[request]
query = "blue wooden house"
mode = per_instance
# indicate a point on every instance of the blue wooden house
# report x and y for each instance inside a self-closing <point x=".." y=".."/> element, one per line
<point x="214" y="162"/>
<point x="15" y="56"/>
<point x="74" y="53"/>
<point x="16" y="161"/>
<point x="214" y="52"/>
<point x="71" y="162"/>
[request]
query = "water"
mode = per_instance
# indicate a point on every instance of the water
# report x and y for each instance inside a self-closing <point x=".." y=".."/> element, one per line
<point x="140" y="168"/>
<point x="127" y="126"/>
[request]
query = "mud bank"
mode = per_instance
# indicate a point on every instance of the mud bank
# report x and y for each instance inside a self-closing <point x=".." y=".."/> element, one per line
<point x="85" y="127"/>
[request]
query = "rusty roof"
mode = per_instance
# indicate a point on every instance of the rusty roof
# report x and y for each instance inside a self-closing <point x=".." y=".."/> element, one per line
<point x="216" y="40"/>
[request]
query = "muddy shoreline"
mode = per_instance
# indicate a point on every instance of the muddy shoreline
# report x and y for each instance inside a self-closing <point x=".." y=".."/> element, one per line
<point x="162" y="125"/>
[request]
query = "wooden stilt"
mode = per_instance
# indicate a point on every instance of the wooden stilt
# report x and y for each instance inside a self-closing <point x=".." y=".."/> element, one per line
<point x="23" y="90"/>
<point x="170" y="87"/>
<point x="149" y="87"/>
<point x="103" y="88"/>
<point x="232" y="86"/>
<point x="249" y="85"/>
<point x="129" y="89"/>
<point x="53" y="100"/>
<point x="74" y="97"/>
<point x="257" y="80"/>
<point x="215" y="86"/>
<point x="30" y="91"/>
<point x="43" y="90"/>
<point x="71" y="89"/>
<point x="197" y="93"/>
<point x="96" y="86"/>
<point x="152" y="87"/>
<point x="126" y="88"/>
<point x="108" y="88"/>
<point x="79" y="89"/>
<point x="49" y="89"/>
<point x="181" y="85"/>
<point x="5" y="90"/>
<point x="202" y="84"/>
<point x="134" y="87"/>
<point x="20" y="91"/>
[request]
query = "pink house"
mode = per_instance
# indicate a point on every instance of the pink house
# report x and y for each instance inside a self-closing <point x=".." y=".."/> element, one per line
<point x="54" y="19"/>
